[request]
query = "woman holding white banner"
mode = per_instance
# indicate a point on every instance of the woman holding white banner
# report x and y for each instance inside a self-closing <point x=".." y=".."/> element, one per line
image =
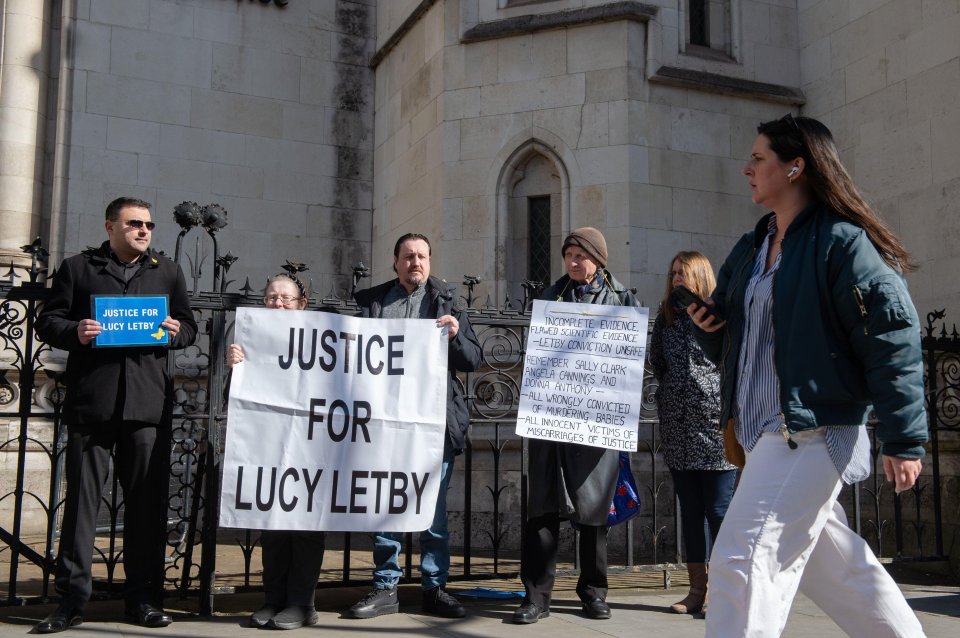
<point x="567" y="480"/>
<point x="291" y="559"/>
<point x="688" y="404"/>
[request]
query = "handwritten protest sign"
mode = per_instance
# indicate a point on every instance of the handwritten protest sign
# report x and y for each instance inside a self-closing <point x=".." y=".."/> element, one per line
<point x="334" y="423"/>
<point x="130" y="320"/>
<point x="583" y="374"/>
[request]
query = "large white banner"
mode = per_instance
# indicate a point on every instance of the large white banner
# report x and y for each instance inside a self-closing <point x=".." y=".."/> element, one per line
<point x="334" y="422"/>
<point x="583" y="374"/>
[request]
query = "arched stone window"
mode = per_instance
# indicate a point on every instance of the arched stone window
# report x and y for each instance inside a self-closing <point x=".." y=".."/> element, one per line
<point x="532" y="216"/>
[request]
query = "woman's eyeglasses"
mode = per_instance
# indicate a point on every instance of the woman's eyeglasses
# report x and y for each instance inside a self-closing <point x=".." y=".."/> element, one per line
<point x="139" y="224"/>
<point x="284" y="299"/>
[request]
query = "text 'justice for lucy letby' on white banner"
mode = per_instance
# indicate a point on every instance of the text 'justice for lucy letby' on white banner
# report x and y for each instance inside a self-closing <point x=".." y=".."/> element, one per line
<point x="334" y="423"/>
<point x="583" y="374"/>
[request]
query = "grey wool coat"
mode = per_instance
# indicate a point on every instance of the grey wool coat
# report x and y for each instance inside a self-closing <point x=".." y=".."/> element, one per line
<point x="571" y="480"/>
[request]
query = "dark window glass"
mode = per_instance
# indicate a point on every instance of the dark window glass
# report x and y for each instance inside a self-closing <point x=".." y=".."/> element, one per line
<point x="698" y="22"/>
<point x="538" y="236"/>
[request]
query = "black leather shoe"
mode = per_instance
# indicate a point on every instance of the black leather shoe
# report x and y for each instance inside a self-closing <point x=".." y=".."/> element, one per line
<point x="294" y="617"/>
<point x="529" y="613"/>
<point x="146" y="615"/>
<point x="597" y="609"/>
<point x="437" y="601"/>
<point x="376" y="603"/>
<point x="63" y="617"/>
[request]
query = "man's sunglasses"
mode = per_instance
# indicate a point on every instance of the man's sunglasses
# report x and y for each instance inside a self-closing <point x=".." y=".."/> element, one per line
<point x="139" y="223"/>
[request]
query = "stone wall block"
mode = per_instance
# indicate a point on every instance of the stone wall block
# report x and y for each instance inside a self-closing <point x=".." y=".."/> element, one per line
<point x="166" y="172"/>
<point x="865" y="76"/>
<point x="821" y="19"/>
<point x="109" y="166"/>
<point x="472" y="65"/>
<point x="160" y="57"/>
<point x="91" y="46"/>
<point x="88" y="130"/>
<point x="239" y="69"/>
<point x="485" y="137"/>
<point x="563" y="122"/>
<point x="650" y="206"/>
<point x="172" y="18"/>
<point x="460" y="178"/>
<point x="892" y="162"/>
<point x="924" y="49"/>
<point x="607" y="85"/>
<point x="304" y="123"/>
<point x="584" y="55"/>
<point x="138" y="99"/>
<point x="134" y="14"/>
<point x="604" y="165"/>
<point x="201" y="144"/>
<point x="240" y="181"/>
<point x="934" y="92"/>
<point x="235" y="113"/>
<point x="453" y="218"/>
<point x="565" y="90"/>
<point x="460" y="104"/>
<point x="776" y="65"/>
<point x="134" y="136"/>
<point x="755" y="22"/>
<point x="697" y="132"/>
<point x="318" y="79"/>
<point x="945" y="152"/>
<point x="218" y="26"/>
<point x="532" y="56"/>
<point x="595" y="128"/>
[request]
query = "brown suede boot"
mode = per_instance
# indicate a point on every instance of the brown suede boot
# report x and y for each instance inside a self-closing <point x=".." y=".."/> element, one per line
<point x="698" y="590"/>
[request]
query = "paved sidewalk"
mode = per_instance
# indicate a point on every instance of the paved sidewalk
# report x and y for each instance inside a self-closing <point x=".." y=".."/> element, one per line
<point x="636" y="613"/>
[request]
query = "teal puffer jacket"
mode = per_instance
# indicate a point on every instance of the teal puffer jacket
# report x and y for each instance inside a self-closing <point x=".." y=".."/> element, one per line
<point x="846" y="334"/>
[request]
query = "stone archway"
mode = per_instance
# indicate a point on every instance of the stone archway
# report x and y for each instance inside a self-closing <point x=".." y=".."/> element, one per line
<point x="533" y="170"/>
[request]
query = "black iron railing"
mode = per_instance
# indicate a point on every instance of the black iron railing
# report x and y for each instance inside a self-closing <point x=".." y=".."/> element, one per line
<point x="486" y="514"/>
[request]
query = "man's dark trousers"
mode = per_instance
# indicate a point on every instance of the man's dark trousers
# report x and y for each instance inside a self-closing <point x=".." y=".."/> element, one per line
<point x="142" y="467"/>
<point x="539" y="567"/>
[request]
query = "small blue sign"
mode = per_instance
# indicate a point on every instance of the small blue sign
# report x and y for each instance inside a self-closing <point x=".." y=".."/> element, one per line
<point x="132" y="320"/>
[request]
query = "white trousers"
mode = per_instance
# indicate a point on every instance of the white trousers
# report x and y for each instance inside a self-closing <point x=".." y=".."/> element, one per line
<point x="784" y="529"/>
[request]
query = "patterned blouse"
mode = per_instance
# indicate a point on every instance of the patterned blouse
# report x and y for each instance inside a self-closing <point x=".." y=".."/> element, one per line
<point x="688" y="398"/>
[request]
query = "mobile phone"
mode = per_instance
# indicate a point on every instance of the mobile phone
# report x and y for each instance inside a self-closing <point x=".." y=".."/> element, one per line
<point x="684" y="296"/>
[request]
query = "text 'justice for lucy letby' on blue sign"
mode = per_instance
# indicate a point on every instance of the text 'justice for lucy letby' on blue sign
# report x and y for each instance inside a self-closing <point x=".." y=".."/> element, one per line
<point x="131" y="320"/>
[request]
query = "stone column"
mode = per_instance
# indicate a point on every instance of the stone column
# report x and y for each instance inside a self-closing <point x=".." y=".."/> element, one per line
<point x="24" y="82"/>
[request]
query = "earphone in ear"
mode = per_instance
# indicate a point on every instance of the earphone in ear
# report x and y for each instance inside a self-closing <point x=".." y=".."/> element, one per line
<point x="793" y="171"/>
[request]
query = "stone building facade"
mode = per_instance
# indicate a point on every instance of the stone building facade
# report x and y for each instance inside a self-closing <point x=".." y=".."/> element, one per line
<point x="263" y="107"/>
<point x="327" y="128"/>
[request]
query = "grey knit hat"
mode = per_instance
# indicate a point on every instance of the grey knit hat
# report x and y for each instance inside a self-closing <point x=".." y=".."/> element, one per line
<point x="591" y="241"/>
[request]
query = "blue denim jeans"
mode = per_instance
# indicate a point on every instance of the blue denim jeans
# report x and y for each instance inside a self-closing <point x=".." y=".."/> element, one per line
<point x="434" y="543"/>
<point x="704" y="497"/>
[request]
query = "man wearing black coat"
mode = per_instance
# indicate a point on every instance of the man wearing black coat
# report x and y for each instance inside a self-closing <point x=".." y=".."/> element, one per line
<point x="120" y="399"/>
<point x="417" y="295"/>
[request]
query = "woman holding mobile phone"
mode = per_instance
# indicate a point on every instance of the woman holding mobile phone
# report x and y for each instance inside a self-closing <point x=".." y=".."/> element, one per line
<point x="819" y="329"/>
<point x="688" y="404"/>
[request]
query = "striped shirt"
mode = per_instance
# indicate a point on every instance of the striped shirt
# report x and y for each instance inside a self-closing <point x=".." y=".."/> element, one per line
<point x="758" y="408"/>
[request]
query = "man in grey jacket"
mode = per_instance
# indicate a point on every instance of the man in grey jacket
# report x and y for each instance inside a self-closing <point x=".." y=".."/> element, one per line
<point x="415" y="294"/>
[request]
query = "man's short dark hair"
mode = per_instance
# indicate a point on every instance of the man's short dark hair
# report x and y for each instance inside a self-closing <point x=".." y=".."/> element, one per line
<point x="408" y="237"/>
<point x="114" y="207"/>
